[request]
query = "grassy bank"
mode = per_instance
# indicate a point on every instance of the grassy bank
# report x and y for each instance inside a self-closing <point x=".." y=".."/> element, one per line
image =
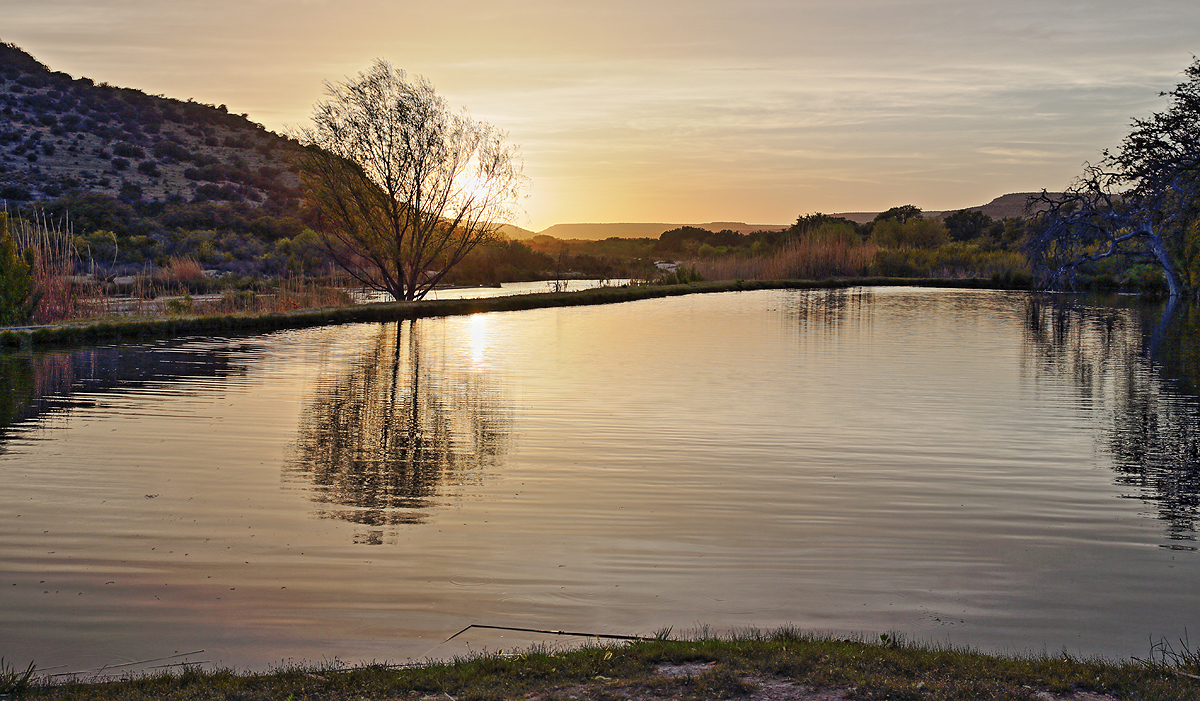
<point x="132" y="329"/>
<point x="785" y="664"/>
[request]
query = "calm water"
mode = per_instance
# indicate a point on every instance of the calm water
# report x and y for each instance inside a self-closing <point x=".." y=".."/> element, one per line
<point x="975" y="467"/>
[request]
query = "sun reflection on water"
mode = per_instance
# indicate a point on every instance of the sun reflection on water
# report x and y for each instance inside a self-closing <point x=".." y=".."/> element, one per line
<point x="477" y="336"/>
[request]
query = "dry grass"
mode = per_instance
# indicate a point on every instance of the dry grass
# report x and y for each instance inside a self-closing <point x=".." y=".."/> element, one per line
<point x="60" y="295"/>
<point x="291" y="295"/>
<point x="180" y="271"/>
<point x="815" y="255"/>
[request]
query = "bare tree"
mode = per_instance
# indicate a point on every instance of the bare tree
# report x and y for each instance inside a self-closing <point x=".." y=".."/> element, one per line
<point x="402" y="187"/>
<point x="1141" y="202"/>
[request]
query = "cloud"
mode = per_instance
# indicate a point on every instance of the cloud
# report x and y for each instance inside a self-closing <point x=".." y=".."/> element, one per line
<point x="674" y="110"/>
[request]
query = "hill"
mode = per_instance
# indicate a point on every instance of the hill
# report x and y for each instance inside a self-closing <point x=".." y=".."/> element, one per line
<point x="141" y="179"/>
<point x="60" y="134"/>
<point x="1010" y="205"/>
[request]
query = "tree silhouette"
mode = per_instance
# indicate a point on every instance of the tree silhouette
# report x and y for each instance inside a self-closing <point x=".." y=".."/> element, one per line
<point x="1141" y="202"/>
<point x="401" y="187"/>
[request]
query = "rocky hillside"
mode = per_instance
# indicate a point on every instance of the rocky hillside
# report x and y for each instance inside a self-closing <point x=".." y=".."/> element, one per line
<point x="140" y="180"/>
<point x="60" y="135"/>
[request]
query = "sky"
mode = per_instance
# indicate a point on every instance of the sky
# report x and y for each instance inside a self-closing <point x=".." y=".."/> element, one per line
<point x="682" y="111"/>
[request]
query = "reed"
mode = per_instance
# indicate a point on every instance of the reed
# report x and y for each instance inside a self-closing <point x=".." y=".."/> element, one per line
<point x="825" y="252"/>
<point x="59" y="294"/>
<point x="291" y="295"/>
<point x="950" y="260"/>
<point x="303" y="293"/>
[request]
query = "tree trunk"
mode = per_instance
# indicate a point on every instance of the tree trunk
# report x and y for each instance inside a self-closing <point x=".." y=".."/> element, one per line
<point x="1159" y="249"/>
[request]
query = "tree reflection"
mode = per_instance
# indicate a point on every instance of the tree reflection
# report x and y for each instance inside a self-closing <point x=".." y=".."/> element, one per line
<point x="395" y="429"/>
<point x="35" y="385"/>
<point x="830" y="307"/>
<point x="1138" y="363"/>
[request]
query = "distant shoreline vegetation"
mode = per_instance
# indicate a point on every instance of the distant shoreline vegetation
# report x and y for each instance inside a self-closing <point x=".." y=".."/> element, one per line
<point x="142" y="328"/>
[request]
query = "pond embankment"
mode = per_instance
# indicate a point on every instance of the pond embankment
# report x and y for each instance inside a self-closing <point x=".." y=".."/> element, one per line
<point x="786" y="665"/>
<point x="139" y="328"/>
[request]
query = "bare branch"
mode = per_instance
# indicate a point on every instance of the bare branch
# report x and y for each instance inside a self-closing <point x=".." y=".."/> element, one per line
<point x="402" y="186"/>
<point x="1141" y="202"/>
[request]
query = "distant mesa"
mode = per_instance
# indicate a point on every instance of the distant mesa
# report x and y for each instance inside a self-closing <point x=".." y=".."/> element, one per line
<point x="1010" y="205"/>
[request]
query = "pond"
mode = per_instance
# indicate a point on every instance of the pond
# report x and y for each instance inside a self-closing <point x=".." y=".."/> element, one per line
<point x="1001" y="470"/>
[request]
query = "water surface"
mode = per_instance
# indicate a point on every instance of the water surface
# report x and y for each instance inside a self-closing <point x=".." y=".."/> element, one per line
<point x="977" y="467"/>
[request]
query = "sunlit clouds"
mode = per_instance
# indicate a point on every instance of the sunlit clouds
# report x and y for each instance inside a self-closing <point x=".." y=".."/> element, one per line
<point x="683" y="111"/>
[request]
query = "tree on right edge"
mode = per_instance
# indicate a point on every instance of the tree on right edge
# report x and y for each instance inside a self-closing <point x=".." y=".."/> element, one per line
<point x="1141" y="202"/>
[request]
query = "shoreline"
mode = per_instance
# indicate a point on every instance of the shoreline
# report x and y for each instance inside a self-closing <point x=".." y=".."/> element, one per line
<point x="787" y="664"/>
<point x="144" y="328"/>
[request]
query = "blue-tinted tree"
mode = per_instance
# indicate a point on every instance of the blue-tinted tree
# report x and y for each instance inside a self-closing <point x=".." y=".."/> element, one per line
<point x="1141" y="201"/>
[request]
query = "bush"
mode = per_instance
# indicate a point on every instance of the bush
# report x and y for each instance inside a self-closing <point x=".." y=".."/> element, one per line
<point x="182" y="271"/>
<point x="914" y="233"/>
<point x="680" y="276"/>
<point x="951" y="260"/>
<point x="128" y="150"/>
<point x="180" y="305"/>
<point x="172" y="150"/>
<point x="14" y="192"/>
<point x="130" y="192"/>
<point x="16" y="279"/>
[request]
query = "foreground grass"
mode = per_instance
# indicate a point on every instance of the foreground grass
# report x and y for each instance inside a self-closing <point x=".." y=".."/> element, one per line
<point x="137" y="328"/>
<point x="713" y="668"/>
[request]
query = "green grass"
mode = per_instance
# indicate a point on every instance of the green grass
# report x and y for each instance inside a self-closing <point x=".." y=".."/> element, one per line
<point x="718" y="667"/>
<point x="140" y="328"/>
<point x="14" y="680"/>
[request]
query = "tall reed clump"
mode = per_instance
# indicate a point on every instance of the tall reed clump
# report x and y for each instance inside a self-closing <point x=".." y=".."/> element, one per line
<point x="57" y="293"/>
<point x="829" y="250"/>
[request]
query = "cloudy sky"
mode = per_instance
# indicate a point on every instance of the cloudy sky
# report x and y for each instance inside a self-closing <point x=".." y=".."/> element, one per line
<point x="682" y="110"/>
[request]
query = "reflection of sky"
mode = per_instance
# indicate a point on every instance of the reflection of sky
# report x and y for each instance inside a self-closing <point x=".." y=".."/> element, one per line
<point x="889" y="465"/>
<point x="756" y="110"/>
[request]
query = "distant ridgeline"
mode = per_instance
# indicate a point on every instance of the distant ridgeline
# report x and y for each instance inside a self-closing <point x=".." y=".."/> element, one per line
<point x="140" y="178"/>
